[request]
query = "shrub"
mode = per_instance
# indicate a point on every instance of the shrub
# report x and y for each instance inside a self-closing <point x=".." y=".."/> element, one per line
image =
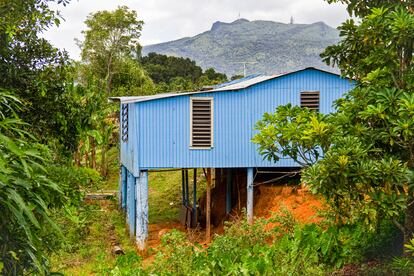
<point x="74" y="181"/>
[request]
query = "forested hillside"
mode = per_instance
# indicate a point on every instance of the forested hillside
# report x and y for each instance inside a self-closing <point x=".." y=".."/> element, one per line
<point x="269" y="47"/>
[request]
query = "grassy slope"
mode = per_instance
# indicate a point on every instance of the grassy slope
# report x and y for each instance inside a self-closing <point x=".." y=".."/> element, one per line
<point x="106" y="222"/>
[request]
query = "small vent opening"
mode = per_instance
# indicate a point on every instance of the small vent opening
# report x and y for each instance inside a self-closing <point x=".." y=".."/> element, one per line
<point x="124" y="126"/>
<point x="310" y="100"/>
<point x="201" y="122"/>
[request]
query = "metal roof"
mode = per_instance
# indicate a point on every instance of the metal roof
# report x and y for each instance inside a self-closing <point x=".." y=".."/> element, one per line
<point x="229" y="86"/>
<point x="220" y="85"/>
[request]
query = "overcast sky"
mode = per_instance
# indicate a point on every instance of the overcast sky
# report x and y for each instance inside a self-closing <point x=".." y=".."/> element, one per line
<point x="167" y="20"/>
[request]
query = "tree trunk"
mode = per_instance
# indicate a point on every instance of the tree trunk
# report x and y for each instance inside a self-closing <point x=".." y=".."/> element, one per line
<point x="93" y="152"/>
<point x="86" y="159"/>
<point x="103" y="162"/>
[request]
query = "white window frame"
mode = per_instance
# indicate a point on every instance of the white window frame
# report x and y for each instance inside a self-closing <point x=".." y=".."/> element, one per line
<point x="211" y="99"/>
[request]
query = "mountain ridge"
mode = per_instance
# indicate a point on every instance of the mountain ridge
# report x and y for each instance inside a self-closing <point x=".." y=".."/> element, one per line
<point x="275" y="47"/>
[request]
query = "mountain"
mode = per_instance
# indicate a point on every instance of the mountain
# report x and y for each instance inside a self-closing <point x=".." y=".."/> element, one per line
<point x="275" y="47"/>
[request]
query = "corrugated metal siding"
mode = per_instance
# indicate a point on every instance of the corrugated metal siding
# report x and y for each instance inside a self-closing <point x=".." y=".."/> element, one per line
<point x="164" y="124"/>
<point x="129" y="149"/>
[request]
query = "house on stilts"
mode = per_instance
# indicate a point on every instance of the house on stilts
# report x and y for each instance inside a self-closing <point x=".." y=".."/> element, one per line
<point x="209" y="130"/>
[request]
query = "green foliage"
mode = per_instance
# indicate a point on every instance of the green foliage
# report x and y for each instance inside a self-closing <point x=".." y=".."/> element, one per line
<point x="36" y="72"/>
<point x="179" y="74"/>
<point x="402" y="265"/>
<point x="26" y="195"/>
<point x="110" y="52"/>
<point x="299" y="133"/>
<point x="236" y="77"/>
<point x="366" y="173"/>
<point x="362" y="8"/>
<point x="250" y="249"/>
<point x="128" y="264"/>
<point x="162" y="68"/>
<point x="75" y="181"/>
<point x="410" y="247"/>
<point x="213" y="77"/>
<point x="378" y="51"/>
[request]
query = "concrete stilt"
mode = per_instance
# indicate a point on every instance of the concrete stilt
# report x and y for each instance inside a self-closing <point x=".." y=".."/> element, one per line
<point x="250" y="195"/>
<point x="142" y="210"/>
<point x="130" y="204"/>
<point x="123" y="187"/>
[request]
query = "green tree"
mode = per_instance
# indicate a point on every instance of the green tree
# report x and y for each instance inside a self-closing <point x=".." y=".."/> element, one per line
<point x="35" y="71"/>
<point x="366" y="172"/>
<point x="214" y="77"/>
<point x="111" y="50"/>
<point x="162" y="68"/>
<point x="110" y="62"/>
<point x="179" y="74"/>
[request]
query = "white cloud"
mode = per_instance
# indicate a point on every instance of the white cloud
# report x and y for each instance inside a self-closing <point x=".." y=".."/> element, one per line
<point x="167" y="20"/>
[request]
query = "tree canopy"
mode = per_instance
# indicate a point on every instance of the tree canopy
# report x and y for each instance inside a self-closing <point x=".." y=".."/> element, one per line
<point x="179" y="74"/>
<point x="35" y="71"/>
<point x="360" y="158"/>
<point x="111" y="49"/>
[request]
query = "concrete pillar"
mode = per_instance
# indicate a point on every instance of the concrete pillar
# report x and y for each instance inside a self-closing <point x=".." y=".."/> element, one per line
<point x="123" y="187"/>
<point x="250" y="195"/>
<point x="142" y="210"/>
<point x="131" y="205"/>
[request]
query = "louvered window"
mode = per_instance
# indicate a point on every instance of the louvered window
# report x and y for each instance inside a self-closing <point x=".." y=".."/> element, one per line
<point x="201" y="123"/>
<point x="310" y="100"/>
<point x="124" y="126"/>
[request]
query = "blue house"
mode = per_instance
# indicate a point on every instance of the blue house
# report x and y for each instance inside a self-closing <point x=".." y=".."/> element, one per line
<point x="209" y="129"/>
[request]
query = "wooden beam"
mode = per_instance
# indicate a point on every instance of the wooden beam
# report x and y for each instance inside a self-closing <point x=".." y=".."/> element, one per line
<point x="208" y="207"/>
<point x="187" y="196"/>
<point x="183" y="186"/>
<point x="229" y="190"/>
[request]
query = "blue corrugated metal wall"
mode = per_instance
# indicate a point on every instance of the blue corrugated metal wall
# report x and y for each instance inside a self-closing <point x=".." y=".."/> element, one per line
<point x="162" y="127"/>
<point x="129" y="152"/>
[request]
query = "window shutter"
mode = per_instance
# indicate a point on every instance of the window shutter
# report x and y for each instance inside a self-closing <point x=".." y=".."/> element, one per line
<point x="201" y="122"/>
<point x="124" y="126"/>
<point x="310" y="100"/>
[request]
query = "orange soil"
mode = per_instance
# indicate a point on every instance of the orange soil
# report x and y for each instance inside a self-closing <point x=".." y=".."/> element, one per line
<point x="269" y="200"/>
<point x="299" y="202"/>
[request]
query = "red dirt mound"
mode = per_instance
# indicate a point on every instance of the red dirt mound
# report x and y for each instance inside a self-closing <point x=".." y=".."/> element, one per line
<point x="298" y="201"/>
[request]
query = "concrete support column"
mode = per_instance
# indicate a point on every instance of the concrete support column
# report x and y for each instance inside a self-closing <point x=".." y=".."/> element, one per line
<point x="142" y="210"/>
<point x="250" y="195"/>
<point x="123" y="187"/>
<point x="130" y="204"/>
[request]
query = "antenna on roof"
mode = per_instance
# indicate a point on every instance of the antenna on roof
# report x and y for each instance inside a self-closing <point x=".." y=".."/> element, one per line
<point x="244" y="65"/>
